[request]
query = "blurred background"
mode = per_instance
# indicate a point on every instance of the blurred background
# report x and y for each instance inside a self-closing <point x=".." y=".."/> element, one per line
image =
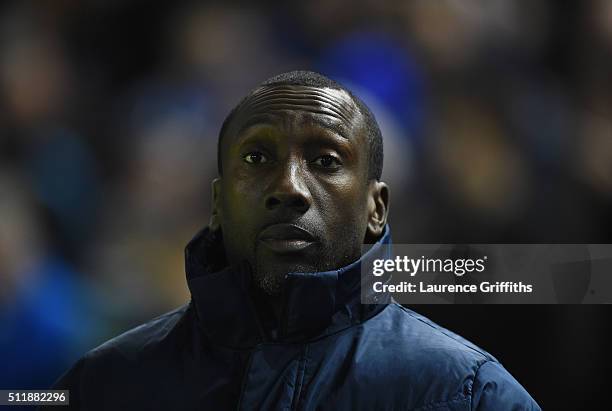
<point x="497" y="119"/>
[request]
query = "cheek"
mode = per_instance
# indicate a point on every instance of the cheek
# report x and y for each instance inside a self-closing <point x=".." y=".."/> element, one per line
<point x="239" y="202"/>
<point x="239" y="220"/>
<point x="344" y="201"/>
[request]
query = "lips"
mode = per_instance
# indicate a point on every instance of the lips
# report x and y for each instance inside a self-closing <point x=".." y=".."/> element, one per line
<point x="285" y="238"/>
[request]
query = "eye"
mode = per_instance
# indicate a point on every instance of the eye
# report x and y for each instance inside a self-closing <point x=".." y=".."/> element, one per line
<point x="255" y="157"/>
<point x="327" y="161"/>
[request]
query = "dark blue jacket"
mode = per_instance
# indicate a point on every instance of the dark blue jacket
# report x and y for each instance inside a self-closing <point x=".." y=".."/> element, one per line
<point x="224" y="350"/>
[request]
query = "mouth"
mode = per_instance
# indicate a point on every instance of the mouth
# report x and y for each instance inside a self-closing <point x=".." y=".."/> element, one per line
<point x="285" y="238"/>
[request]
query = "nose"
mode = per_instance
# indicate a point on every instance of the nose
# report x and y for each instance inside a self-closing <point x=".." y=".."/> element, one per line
<point x="289" y="190"/>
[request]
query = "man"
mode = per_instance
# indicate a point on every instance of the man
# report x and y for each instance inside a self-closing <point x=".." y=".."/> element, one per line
<point x="275" y="320"/>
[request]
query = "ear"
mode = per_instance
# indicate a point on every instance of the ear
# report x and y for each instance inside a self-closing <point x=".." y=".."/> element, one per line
<point x="215" y="215"/>
<point x="378" y="210"/>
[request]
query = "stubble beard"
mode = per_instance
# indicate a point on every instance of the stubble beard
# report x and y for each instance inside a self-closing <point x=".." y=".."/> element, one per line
<point x="271" y="280"/>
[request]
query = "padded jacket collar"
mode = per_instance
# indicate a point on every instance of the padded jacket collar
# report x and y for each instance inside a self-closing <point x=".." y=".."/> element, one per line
<point x="314" y="304"/>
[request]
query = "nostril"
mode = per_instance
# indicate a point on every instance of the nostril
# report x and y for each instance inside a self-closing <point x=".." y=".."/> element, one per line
<point x="297" y="202"/>
<point x="272" y="202"/>
<point x="289" y="201"/>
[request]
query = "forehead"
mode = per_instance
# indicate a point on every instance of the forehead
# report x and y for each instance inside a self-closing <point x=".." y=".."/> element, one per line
<point x="290" y="107"/>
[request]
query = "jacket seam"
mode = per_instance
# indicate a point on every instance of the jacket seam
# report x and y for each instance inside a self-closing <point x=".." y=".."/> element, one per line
<point x="299" y="379"/>
<point x="472" y="386"/>
<point x="162" y="321"/>
<point x="177" y="311"/>
<point x="345" y="329"/>
<point x="487" y="357"/>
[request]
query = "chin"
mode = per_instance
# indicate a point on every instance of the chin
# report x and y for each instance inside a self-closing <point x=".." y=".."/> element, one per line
<point x="271" y="278"/>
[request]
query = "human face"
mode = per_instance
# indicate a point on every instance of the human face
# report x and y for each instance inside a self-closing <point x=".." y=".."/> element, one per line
<point x="294" y="192"/>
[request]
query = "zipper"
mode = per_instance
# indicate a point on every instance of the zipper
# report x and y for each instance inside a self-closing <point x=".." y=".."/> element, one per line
<point x="299" y="379"/>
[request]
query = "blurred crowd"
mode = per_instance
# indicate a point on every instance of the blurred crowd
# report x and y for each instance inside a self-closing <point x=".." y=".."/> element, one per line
<point x="497" y="119"/>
